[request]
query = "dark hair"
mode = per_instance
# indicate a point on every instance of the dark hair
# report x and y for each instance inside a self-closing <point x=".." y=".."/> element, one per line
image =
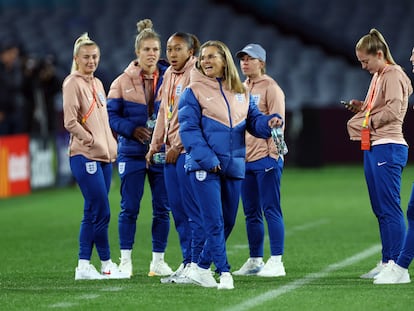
<point x="191" y="40"/>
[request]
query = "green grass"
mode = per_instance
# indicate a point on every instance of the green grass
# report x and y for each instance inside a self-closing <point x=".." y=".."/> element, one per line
<point x="327" y="217"/>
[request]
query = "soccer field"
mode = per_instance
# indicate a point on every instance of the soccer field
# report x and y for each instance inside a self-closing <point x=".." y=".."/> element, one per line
<point x="331" y="238"/>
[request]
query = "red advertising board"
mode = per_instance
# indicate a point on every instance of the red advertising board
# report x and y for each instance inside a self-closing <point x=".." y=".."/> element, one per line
<point x="14" y="165"/>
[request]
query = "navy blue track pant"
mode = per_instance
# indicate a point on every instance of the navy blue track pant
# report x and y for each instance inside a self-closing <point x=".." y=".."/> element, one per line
<point x="133" y="172"/>
<point x="383" y="166"/>
<point x="261" y="195"/>
<point x="94" y="180"/>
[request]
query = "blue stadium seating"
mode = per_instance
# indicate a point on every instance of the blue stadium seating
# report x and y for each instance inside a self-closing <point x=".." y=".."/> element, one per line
<point x="307" y="72"/>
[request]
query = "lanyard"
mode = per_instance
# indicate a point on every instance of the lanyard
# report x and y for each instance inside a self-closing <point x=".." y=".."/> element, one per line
<point x="92" y="106"/>
<point x="150" y="91"/>
<point x="371" y="96"/>
<point x="171" y="101"/>
<point x="171" y="95"/>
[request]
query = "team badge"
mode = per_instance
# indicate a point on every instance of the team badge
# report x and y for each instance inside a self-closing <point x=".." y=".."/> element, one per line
<point x="201" y="175"/>
<point x="256" y="99"/>
<point x="91" y="167"/>
<point x="178" y="90"/>
<point x="121" y="167"/>
<point x="240" y="98"/>
<point x="101" y="98"/>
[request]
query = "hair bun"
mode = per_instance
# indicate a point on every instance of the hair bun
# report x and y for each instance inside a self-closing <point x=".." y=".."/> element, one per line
<point x="144" y="24"/>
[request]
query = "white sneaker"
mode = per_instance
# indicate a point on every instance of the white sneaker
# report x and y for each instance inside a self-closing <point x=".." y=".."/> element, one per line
<point x="272" y="268"/>
<point x="202" y="277"/>
<point x="373" y="272"/>
<point x="159" y="268"/>
<point x="112" y="271"/>
<point x="179" y="276"/>
<point x="125" y="266"/>
<point x="251" y="267"/>
<point x="88" y="273"/>
<point x="226" y="281"/>
<point x="392" y="274"/>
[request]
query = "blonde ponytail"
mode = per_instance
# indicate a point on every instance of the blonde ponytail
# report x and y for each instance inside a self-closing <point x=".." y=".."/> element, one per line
<point x="374" y="41"/>
<point x="81" y="41"/>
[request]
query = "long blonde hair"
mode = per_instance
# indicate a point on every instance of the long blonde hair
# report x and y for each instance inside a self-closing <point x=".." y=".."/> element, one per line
<point x="231" y="78"/>
<point x="373" y="42"/>
<point x="83" y="40"/>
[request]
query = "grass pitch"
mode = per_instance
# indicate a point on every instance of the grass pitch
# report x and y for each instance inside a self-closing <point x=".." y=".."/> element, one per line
<point x="331" y="238"/>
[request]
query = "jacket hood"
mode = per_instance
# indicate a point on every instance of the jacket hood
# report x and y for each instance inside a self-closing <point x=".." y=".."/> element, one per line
<point x="198" y="77"/>
<point x="262" y="77"/>
<point x="134" y="69"/>
<point x="189" y="64"/>
<point x="87" y="78"/>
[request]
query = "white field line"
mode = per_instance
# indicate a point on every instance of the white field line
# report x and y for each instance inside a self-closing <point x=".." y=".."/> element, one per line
<point x="64" y="304"/>
<point x="273" y="294"/>
<point x="306" y="226"/>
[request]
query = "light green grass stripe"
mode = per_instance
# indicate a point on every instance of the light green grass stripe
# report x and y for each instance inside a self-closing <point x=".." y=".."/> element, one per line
<point x="306" y="280"/>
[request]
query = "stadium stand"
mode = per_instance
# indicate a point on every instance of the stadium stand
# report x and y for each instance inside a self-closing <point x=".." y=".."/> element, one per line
<point x="310" y="43"/>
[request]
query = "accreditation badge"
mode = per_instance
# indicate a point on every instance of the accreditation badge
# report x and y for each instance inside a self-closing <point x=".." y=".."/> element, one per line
<point x="365" y="139"/>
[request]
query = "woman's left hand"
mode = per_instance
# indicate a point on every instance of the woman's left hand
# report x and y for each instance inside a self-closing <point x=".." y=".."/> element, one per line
<point x="275" y="122"/>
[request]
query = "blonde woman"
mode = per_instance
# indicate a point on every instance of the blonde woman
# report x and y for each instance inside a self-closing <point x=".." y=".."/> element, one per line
<point x="214" y="113"/>
<point x="377" y="124"/>
<point x="92" y="150"/>
<point x="133" y="104"/>
<point x="397" y="273"/>
<point x="264" y="167"/>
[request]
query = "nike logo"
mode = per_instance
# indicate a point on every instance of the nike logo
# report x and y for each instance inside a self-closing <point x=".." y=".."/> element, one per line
<point x="381" y="163"/>
<point x="129" y="90"/>
<point x="268" y="169"/>
<point x="209" y="98"/>
<point x="106" y="272"/>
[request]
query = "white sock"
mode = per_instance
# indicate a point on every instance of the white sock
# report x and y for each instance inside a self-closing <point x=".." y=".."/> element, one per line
<point x="83" y="263"/>
<point x="126" y="254"/>
<point x="157" y="256"/>
<point x="105" y="263"/>
<point x="277" y="258"/>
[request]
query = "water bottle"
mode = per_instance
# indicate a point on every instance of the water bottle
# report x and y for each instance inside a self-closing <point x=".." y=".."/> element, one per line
<point x="279" y="139"/>
<point x="158" y="158"/>
<point x="149" y="125"/>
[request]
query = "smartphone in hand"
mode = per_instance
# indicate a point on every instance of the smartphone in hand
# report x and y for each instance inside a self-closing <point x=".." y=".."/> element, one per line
<point x="352" y="105"/>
